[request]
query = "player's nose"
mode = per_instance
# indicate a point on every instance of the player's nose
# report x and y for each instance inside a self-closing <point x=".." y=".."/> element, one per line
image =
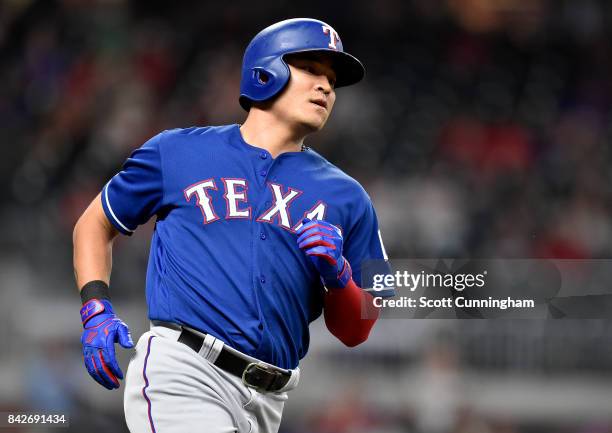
<point x="323" y="84"/>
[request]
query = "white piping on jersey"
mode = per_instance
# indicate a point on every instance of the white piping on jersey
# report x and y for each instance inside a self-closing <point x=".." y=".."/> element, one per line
<point x="382" y="246"/>
<point x="111" y="209"/>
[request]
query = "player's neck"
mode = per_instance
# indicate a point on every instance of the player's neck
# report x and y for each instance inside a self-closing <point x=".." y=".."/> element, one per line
<point x="262" y="130"/>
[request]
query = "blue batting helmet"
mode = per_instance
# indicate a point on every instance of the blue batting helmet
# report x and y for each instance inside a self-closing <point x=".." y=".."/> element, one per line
<point x="264" y="71"/>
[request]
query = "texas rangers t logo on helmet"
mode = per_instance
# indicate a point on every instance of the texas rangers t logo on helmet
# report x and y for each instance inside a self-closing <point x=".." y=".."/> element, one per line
<point x="333" y="36"/>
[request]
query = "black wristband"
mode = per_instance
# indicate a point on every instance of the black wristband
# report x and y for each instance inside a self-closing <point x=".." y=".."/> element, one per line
<point x="96" y="289"/>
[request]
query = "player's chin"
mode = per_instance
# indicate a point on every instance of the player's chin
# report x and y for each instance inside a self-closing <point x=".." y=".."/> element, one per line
<point x="310" y="127"/>
<point x="315" y="122"/>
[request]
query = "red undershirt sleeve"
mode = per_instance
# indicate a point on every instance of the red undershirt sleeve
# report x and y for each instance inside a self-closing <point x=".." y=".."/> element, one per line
<point x="350" y="313"/>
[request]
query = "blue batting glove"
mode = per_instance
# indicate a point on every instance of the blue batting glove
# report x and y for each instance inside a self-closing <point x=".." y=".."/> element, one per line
<point x="322" y="243"/>
<point x="102" y="329"/>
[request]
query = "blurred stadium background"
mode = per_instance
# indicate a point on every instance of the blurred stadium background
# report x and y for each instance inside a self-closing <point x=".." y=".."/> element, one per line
<point x="483" y="129"/>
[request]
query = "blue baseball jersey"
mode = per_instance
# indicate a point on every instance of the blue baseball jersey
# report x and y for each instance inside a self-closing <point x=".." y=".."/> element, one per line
<point x="224" y="257"/>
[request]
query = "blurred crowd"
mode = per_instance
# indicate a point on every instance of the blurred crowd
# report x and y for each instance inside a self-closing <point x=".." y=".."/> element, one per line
<point x="482" y="130"/>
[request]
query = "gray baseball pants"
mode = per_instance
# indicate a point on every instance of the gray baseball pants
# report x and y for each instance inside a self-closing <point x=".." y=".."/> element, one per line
<point x="169" y="388"/>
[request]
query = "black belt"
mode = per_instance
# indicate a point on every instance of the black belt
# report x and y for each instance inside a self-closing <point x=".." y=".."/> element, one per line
<point x="263" y="377"/>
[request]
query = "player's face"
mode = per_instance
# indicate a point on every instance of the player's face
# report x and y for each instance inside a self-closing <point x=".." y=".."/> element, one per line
<point x="309" y="96"/>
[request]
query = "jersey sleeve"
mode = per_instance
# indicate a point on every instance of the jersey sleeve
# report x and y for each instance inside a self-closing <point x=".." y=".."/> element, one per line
<point x="135" y="194"/>
<point x="365" y="251"/>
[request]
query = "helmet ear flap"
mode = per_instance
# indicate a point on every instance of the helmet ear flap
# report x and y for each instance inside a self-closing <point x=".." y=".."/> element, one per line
<point x="262" y="82"/>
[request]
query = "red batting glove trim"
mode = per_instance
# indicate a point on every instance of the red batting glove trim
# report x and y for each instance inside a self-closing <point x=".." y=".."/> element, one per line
<point x="317" y="243"/>
<point x="91" y="309"/>
<point x="107" y="370"/>
<point x="319" y="226"/>
<point x="325" y="257"/>
<point x="93" y="362"/>
<point x="350" y="313"/>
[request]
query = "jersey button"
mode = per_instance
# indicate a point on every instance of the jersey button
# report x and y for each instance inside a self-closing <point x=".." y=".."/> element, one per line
<point x="263" y="155"/>
<point x="262" y="279"/>
<point x="263" y="173"/>
<point x="262" y="236"/>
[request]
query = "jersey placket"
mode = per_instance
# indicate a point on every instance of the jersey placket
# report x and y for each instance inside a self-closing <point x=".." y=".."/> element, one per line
<point x="264" y="163"/>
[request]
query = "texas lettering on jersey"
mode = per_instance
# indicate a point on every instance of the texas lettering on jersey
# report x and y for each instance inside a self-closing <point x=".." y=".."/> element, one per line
<point x="236" y="203"/>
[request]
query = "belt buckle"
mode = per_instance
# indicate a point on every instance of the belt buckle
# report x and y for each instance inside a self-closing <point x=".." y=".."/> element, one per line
<point x="255" y="366"/>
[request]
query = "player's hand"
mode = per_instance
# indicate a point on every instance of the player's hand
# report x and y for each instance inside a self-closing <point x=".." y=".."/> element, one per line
<point x="322" y="243"/>
<point x="102" y="329"/>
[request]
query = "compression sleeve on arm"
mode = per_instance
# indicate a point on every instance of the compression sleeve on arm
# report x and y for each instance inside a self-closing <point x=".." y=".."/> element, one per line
<point x="350" y="313"/>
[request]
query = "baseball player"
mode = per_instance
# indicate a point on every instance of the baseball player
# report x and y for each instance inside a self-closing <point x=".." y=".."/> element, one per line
<point x="256" y="235"/>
